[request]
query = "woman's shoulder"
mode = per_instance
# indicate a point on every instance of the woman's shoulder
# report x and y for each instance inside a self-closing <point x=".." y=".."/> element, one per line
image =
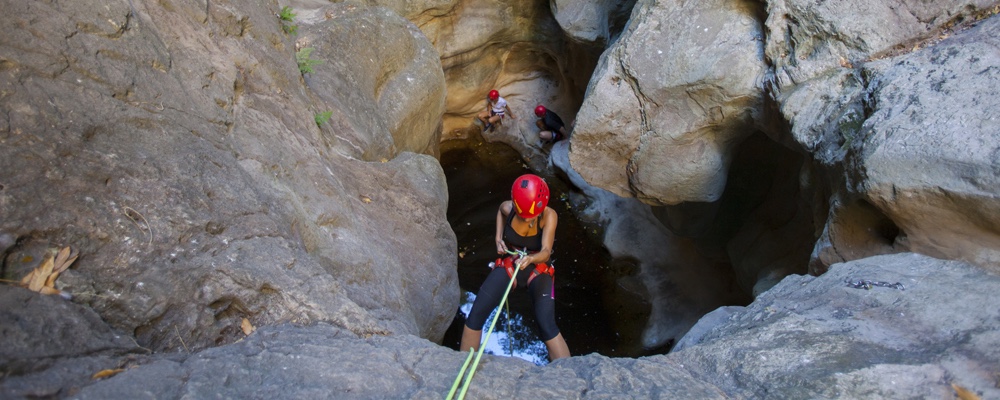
<point x="506" y="206"/>
<point x="550" y="213"/>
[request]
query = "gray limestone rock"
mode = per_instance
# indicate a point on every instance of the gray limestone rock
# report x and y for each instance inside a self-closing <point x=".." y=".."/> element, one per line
<point x="664" y="109"/>
<point x="177" y="148"/>
<point x="883" y="327"/>
<point x="915" y="142"/>
<point x="893" y="326"/>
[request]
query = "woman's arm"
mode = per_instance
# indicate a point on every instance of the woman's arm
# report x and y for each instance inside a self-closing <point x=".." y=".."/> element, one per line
<point x="509" y="112"/>
<point x="549" y="222"/>
<point x="501" y="218"/>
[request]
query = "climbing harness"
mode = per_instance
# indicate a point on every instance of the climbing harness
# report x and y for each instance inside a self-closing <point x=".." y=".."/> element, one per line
<point x="479" y="354"/>
<point x="867" y="284"/>
<point x="540" y="268"/>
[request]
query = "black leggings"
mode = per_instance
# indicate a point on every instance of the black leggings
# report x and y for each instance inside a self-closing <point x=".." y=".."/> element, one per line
<point x="491" y="292"/>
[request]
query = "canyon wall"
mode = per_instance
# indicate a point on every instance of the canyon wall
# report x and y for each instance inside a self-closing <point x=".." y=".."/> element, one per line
<point x="206" y="177"/>
<point x="221" y="170"/>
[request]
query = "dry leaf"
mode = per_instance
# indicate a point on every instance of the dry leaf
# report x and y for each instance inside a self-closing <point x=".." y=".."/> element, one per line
<point x="27" y="278"/>
<point x="48" y="290"/>
<point x="247" y="327"/>
<point x="41" y="275"/>
<point x="42" y="279"/>
<point x="64" y="259"/>
<point x="62" y="255"/>
<point x="50" y="282"/>
<point x="963" y="393"/>
<point x="366" y="199"/>
<point x="106" y="373"/>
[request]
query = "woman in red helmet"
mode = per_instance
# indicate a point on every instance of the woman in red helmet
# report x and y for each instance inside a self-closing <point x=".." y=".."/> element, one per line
<point x="524" y="223"/>
<point x="496" y="108"/>
<point x="550" y="125"/>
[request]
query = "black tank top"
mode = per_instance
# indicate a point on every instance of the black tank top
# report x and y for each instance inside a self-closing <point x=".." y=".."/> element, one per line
<point x="531" y="243"/>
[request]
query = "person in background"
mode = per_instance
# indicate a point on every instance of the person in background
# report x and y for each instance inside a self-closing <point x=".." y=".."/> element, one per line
<point x="525" y="224"/>
<point x="496" y="109"/>
<point x="552" y="128"/>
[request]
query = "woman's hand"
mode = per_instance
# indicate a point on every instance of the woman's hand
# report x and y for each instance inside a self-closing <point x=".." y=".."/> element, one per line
<point x="501" y="247"/>
<point x="523" y="262"/>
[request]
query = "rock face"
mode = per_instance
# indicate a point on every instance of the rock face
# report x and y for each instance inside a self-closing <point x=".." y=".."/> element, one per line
<point x="597" y="22"/>
<point x="888" y="103"/>
<point x="519" y="49"/>
<point x="667" y="120"/>
<point x="896" y="326"/>
<point x="664" y="110"/>
<point x="218" y="173"/>
<point x="901" y="120"/>
<point x="673" y="275"/>
<point x="382" y="71"/>
<point x="811" y="38"/>
<point x="809" y="337"/>
<point x="179" y="148"/>
<point x="928" y="156"/>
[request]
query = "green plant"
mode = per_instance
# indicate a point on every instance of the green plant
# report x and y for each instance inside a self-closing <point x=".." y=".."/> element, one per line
<point x="305" y="63"/>
<point x="322" y="117"/>
<point x="286" y="16"/>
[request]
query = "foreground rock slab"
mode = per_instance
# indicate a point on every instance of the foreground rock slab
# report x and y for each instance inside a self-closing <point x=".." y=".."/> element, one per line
<point x="921" y="329"/>
<point x="808" y="337"/>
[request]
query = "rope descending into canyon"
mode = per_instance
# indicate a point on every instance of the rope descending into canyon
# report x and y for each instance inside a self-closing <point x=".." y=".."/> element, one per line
<point x="461" y="372"/>
<point x="479" y="354"/>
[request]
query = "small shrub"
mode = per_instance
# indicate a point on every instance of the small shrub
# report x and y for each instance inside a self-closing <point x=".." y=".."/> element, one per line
<point x="322" y="117"/>
<point x="286" y="16"/>
<point x="305" y="63"/>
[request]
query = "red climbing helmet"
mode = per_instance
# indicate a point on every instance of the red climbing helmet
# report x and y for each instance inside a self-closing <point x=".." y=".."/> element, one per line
<point x="530" y="194"/>
<point x="494" y="95"/>
<point x="540" y="110"/>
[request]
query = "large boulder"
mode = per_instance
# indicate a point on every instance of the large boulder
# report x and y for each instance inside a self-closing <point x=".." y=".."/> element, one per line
<point x="664" y="108"/>
<point x="391" y="83"/>
<point x="818" y="50"/>
<point x="598" y="22"/>
<point x="892" y="326"/>
<point x="910" y="172"/>
<point x="675" y="109"/>
<point x="928" y="155"/>
<point x="177" y="147"/>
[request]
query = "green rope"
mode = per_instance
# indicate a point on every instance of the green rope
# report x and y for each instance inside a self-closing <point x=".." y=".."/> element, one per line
<point x="510" y="341"/>
<point x="479" y="354"/>
<point x="454" y="386"/>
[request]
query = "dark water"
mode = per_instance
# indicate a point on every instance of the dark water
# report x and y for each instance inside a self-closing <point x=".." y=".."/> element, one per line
<point x="592" y="313"/>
